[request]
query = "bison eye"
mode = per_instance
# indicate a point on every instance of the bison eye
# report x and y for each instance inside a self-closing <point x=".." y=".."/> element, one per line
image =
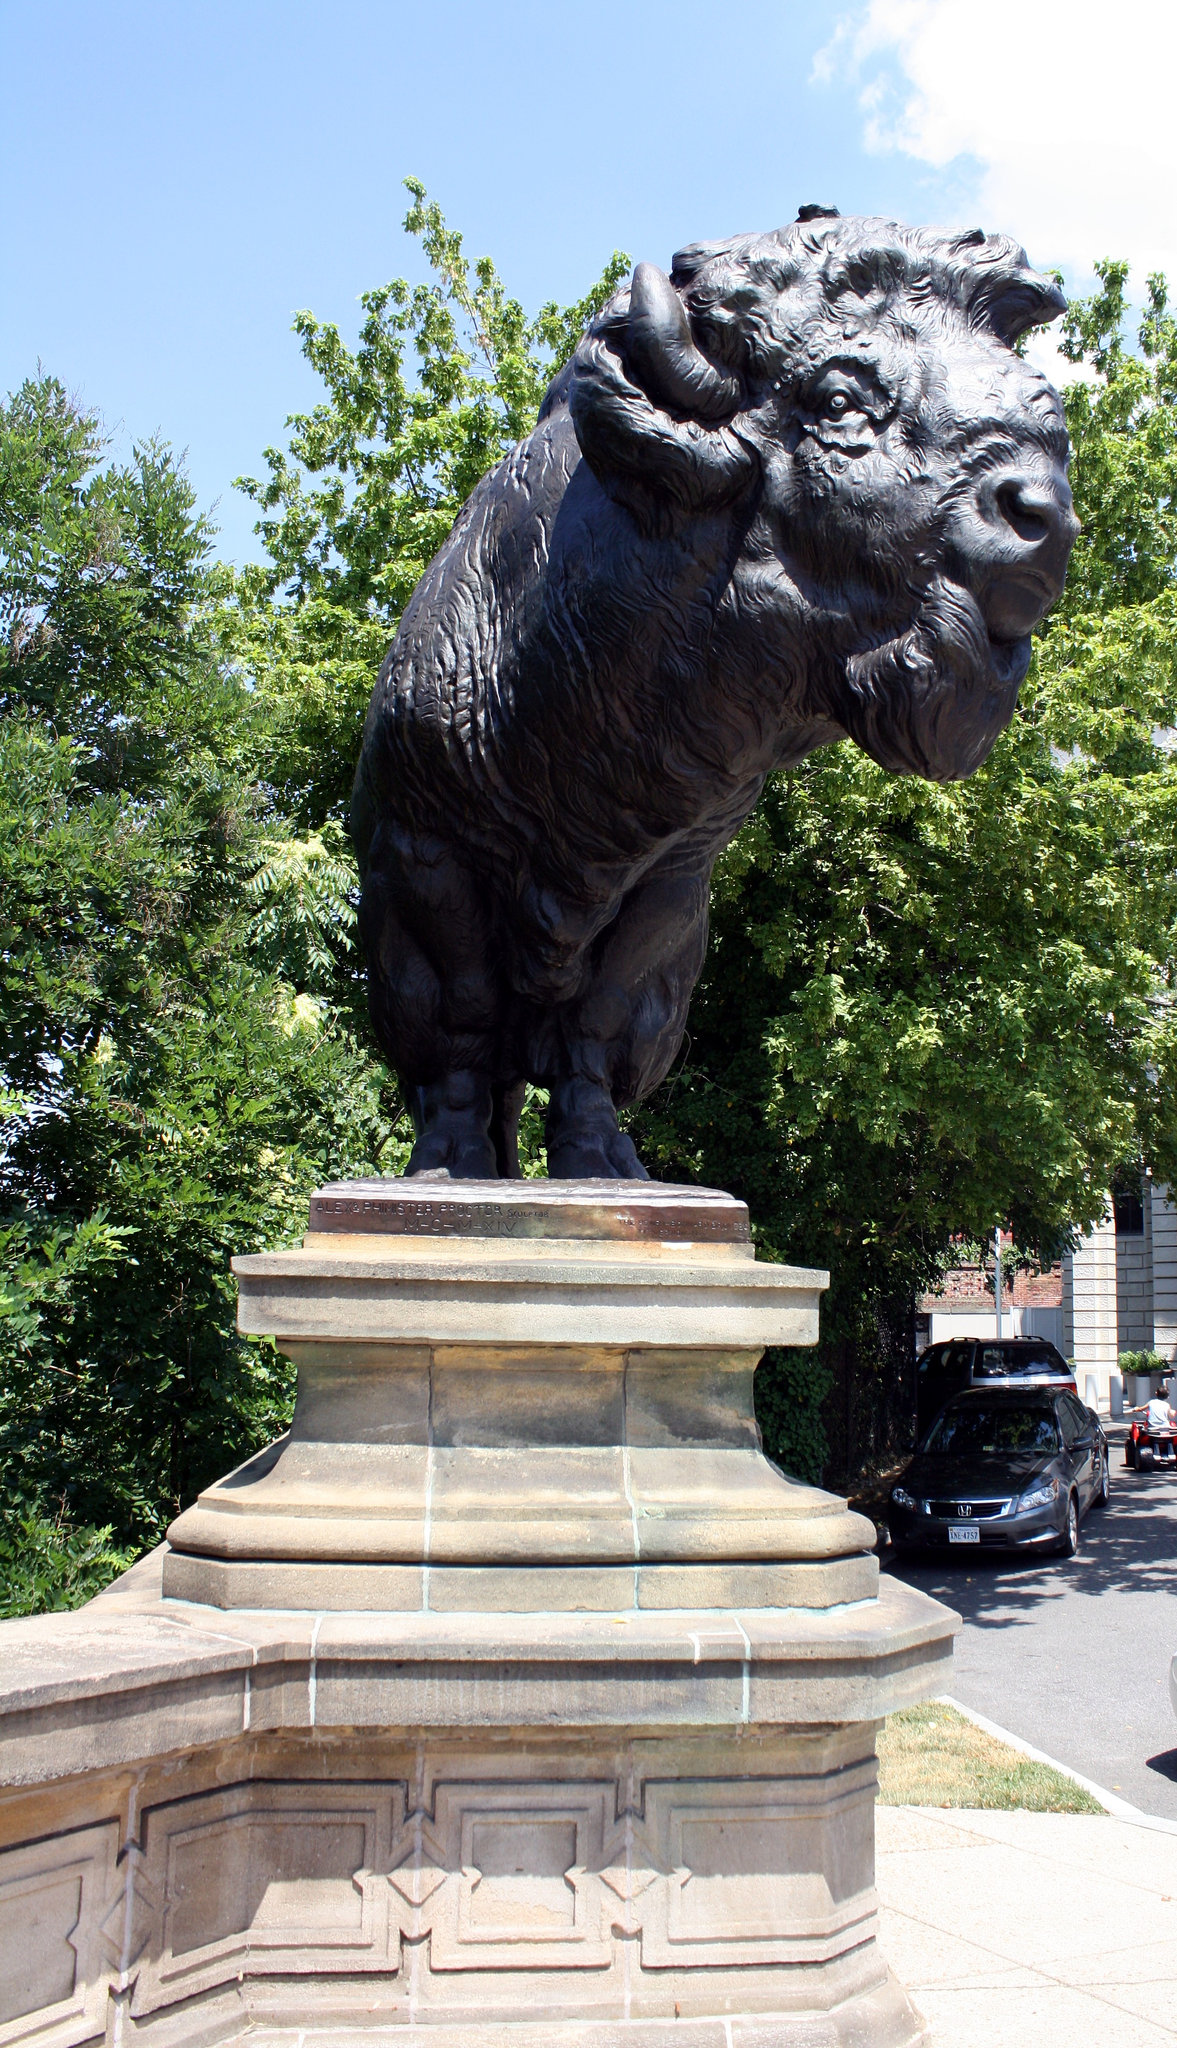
<point x="843" y="408"/>
<point x="837" y="403"/>
<point x="847" y="396"/>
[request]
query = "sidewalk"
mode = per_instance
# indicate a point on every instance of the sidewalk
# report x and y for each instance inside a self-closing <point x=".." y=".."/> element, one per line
<point x="1050" y="1928"/>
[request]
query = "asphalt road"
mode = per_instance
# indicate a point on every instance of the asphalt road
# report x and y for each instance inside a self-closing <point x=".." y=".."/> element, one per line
<point x="1073" y="1654"/>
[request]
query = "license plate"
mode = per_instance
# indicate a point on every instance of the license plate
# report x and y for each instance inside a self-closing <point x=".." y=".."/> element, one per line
<point x="964" y="1532"/>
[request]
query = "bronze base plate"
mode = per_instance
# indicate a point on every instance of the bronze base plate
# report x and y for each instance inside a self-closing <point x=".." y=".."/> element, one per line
<point x="434" y="1207"/>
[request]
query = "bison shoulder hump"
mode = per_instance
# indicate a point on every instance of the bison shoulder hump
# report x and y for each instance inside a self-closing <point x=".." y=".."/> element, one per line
<point x="481" y="594"/>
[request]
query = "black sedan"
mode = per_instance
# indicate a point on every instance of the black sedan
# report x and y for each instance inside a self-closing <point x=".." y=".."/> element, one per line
<point x="1002" y="1471"/>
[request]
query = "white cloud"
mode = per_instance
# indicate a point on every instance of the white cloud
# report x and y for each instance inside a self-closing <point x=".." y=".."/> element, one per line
<point x="1065" y="107"/>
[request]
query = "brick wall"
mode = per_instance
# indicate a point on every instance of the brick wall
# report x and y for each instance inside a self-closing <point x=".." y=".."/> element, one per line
<point x="970" y="1287"/>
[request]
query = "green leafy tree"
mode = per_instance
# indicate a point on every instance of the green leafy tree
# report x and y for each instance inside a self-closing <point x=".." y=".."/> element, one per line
<point x="177" y="1059"/>
<point x="924" y="1008"/>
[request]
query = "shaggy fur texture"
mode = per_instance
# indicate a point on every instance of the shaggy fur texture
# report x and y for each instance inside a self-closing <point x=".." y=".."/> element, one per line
<point x="802" y="488"/>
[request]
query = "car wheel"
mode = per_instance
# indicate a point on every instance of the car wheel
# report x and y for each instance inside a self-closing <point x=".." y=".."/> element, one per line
<point x="1103" y="1481"/>
<point x="1144" y="1458"/>
<point x="1130" y="1455"/>
<point x="1069" y="1540"/>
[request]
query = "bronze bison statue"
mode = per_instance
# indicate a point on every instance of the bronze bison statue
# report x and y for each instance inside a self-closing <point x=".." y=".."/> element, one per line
<point x="802" y="488"/>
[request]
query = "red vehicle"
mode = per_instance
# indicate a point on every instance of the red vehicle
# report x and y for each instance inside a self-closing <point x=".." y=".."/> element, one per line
<point x="1152" y="1439"/>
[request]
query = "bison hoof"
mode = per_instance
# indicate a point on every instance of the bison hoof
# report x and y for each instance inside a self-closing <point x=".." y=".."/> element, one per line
<point x="594" y="1155"/>
<point x="463" y="1155"/>
<point x="453" y="1116"/>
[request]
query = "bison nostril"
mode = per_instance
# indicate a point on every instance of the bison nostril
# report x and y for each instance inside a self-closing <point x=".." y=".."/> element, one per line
<point x="1019" y="556"/>
<point x="1033" y="516"/>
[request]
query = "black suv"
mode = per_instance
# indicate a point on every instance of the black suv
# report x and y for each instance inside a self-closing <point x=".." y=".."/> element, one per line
<point x="947" y="1369"/>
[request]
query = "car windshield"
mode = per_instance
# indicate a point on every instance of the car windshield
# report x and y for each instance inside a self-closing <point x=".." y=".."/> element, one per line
<point x="1009" y="1361"/>
<point x="992" y="1426"/>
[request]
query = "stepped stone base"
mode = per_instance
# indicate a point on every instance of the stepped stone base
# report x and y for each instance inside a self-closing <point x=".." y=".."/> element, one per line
<point x="523" y="1589"/>
<point x="526" y="1421"/>
<point x="513" y="1697"/>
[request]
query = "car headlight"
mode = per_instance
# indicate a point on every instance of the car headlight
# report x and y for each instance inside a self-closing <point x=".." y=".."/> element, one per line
<point x="1039" y="1496"/>
<point x="902" y="1498"/>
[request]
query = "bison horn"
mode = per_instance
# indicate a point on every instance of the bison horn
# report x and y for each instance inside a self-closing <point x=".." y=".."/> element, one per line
<point x="661" y="353"/>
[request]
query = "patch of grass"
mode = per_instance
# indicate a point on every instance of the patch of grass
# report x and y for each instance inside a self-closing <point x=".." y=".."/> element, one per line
<point x="932" y="1756"/>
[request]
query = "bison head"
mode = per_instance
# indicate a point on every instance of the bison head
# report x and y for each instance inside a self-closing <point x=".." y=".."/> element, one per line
<point x="848" y="392"/>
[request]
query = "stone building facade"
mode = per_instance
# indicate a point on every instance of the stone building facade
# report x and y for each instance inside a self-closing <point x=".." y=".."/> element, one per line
<point x="1120" y="1292"/>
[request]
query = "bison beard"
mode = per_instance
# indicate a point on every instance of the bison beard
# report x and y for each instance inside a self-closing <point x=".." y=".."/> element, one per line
<point x="614" y="647"/>
<point x="931" y="701"/>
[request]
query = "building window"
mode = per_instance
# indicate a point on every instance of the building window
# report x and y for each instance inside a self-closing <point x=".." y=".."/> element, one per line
<point x="1128" y="1210"/>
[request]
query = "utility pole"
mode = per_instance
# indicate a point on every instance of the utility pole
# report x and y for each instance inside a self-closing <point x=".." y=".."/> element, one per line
<point x="997" y="1275"/>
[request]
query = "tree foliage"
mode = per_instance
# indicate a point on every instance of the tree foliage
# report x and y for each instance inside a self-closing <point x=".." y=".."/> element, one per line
<point x="924" y="1008"/>
<point x="178" y="1063"/>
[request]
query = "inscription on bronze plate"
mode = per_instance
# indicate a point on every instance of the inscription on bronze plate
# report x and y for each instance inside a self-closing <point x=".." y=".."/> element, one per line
<point x="685" y="1215"/>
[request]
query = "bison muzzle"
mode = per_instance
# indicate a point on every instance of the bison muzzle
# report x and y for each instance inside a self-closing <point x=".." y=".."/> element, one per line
<point x="802" y="488"/>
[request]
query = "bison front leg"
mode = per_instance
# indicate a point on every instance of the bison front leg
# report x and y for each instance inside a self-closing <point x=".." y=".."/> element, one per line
<point x="452" y="1119"/>
<point x="620" y="1038"/>
<point x="467" y="1127"/>
<point x="584" y="1140"/>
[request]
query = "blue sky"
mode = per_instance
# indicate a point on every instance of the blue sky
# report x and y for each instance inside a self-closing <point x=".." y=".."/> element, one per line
<point x="180" y="178"/>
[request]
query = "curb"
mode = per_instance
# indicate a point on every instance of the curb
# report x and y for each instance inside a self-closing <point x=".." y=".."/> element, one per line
<point x="1118" y="1808"/>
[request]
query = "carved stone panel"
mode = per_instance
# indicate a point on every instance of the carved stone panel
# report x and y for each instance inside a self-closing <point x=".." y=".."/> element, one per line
<point x="267" y="1879"/>
<point x="748" y="1875"/>
<point x="523" y="1894"/>
<point x="54" y="1962"/>
<point x="557" y="1877"/>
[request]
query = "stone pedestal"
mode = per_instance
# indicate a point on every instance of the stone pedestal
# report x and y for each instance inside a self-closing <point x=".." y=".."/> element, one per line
<point x="541" y="1420"/>
<point x="512" y="1698"/>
